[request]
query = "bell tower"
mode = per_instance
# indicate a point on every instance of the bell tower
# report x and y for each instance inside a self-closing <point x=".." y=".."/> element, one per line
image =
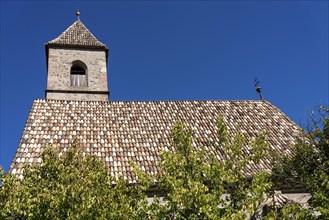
<point x="77" y="65"/>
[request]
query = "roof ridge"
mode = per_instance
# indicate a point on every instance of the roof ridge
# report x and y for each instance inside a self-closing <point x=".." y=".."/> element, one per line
<point x="148" y="101"/>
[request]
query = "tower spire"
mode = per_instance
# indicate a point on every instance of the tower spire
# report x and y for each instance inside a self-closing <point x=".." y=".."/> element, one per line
<point x="77" y="65"/>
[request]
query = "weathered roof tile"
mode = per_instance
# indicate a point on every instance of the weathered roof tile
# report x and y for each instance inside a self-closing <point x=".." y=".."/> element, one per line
<point x="120" y="132"/>
<point x="77" y="35"/>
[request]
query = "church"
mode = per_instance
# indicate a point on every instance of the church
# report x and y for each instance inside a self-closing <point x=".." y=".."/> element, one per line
<point x="77" y="106"/>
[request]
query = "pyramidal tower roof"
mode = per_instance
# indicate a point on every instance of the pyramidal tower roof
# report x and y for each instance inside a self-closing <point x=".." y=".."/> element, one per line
<point x="77" y="35"/>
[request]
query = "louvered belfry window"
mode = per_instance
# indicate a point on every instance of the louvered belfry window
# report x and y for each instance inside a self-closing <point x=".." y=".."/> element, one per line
<point x="78" y="75"/>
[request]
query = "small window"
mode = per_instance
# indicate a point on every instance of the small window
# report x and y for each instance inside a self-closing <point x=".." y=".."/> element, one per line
<point x="79" y="74"/>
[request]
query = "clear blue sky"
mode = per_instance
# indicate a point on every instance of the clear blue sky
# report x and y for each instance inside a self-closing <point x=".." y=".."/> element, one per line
<point x="172" y="50"/>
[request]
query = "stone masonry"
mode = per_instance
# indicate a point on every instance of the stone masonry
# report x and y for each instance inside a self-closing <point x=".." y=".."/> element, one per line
<point x="59" y="65"/>
<point x="77" y="45"/>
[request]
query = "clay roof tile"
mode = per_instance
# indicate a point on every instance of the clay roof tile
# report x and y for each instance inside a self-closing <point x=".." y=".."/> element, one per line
<point x="77" y="35"/>
<point x="136" y="131"/>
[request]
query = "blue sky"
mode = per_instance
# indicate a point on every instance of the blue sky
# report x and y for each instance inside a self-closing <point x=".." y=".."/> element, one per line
<point x="172" y="50"/>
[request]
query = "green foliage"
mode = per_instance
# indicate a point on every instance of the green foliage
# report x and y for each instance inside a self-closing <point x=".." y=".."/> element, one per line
<point x="308" y="167"/>
<point x="290" y="211"/>
<point x="200" y="186"/>
<point x="70" y="186"/>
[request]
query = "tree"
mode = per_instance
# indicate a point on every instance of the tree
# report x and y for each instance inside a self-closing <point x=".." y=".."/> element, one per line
<point x="308" y="167"/>
<point x="197" y="185"/>
<point x="69" y="185"/>
<point x="200" y="186"/>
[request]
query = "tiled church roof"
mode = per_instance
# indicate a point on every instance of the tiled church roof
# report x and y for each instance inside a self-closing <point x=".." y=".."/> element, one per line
<point x="121" y="132"/>
<point x="77" y="35"/>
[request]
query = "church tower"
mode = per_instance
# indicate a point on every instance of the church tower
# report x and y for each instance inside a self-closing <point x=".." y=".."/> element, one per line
<point x="77" y="65"/>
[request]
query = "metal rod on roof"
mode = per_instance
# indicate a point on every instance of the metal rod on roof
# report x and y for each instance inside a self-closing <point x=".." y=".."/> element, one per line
<point x="78" y="15"/>
<point x="258" y="89"/>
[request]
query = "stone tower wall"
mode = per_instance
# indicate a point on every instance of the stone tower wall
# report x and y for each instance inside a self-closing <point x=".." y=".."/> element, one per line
<point x="59" y="66"/>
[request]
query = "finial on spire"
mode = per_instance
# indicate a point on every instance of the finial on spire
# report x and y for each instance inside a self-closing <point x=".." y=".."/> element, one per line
<point x="78" y="14"/>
